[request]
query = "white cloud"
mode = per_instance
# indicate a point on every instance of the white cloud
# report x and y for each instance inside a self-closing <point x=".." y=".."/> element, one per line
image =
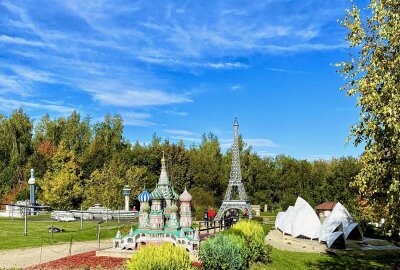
<point x="20" y="41"/>
<point x="32" y="75"/>
<point x="176" y="113"/>
<point x="179" y="132"/>
<point x="187" y="139"/>
<point x="227" y="65"/>
<point x="12" y="104"/>
<point x="264" y="153"/>
<point x="136" y="119"/>
<point x="138" y="97"/>
<point x="236" y="87"/>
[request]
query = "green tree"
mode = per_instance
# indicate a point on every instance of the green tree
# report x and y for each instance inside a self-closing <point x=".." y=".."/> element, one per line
<point x="15" y="148"/>
<point x="61" y="186"/>
<point x="372" y="75"/>
<point x="105" y="185"/>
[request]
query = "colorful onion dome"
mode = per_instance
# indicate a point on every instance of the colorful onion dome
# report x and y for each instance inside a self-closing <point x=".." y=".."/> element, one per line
<point x="185" y="196"/>
<point x="144" y="196"/>
<point x="156" y="194"/>
<point x="173" y="208"/>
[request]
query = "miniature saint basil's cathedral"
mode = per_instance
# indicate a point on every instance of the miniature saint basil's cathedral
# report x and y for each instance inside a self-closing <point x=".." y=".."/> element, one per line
<point x="159" y="220"/>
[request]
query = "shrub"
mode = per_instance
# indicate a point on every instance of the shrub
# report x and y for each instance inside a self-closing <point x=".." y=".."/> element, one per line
<point x="164" y="257"/>
<point x="254" y="235"/>
<point x="224" y="252"/>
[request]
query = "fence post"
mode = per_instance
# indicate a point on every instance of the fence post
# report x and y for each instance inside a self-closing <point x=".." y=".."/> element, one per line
<point x="98" y="236"/>
<point x="81" y="219"/>
<point x="70" y="247"/>
<point x="25" y="219"/>
<point x="52" y="232"/>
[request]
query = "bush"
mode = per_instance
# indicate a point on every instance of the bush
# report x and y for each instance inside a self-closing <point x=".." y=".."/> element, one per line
<point x="164" y="257"/>
<point x="224" y="252"/>
<point x="254" y="235"/>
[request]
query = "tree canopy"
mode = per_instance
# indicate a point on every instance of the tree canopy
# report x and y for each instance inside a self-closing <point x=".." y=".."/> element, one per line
<point x="78" y="164"/>
<point x="373" y="76"/>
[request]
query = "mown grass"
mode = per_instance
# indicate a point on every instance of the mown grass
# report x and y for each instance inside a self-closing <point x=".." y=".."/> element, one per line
<point x="282" y="260"/>
<point x="12" y="232"/>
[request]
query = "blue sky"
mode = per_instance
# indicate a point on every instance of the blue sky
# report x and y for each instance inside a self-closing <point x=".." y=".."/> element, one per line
<point x="184" y="68"/>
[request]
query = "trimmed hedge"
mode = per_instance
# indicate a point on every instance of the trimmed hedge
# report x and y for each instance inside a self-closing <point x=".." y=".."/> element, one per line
<point x="225" y="252"/>
<point x="164" y="257"/>
<point x="236" y="248"/>
<point x="254" y="235"/>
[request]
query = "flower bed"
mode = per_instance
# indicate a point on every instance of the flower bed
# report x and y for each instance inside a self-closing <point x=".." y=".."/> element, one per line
<point x="87" y="260"/>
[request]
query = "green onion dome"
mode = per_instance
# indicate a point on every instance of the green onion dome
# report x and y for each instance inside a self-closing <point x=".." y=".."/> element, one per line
<point x="156" y="194"/>
<point x="173" y="208"/>
<point x="145" y="208"/>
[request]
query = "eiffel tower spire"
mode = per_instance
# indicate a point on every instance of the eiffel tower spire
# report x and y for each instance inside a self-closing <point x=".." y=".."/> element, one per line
<point x="235" y="181"/>
<point x="236" y="174"/>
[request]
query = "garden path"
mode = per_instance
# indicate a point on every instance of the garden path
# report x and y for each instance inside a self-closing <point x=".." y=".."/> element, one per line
<point x="22" y="258"/>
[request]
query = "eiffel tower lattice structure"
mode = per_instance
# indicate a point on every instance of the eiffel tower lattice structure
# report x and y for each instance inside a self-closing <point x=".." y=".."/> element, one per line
<point x="235" y="184"/>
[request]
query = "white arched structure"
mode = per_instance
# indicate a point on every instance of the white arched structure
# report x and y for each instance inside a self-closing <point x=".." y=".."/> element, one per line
<point x="279" y="221"/>
<point x="340" y="220"/>
<point x="287" y="221"/>
<point x="336" y="240"/>
<point x="305" y="221"/>
<point x="301" y="220"/>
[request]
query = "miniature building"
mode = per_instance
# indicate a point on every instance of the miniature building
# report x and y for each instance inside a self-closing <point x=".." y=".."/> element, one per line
<point x="159" y="220"/>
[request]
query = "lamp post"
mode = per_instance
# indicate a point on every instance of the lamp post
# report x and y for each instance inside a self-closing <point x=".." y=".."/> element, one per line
<point x="127" y="193"/>
<point x="32" y="182"/>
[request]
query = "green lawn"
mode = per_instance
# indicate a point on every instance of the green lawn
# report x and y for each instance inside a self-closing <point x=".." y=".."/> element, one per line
<point x="12" y="232"/>
<point x="282" y="260"/>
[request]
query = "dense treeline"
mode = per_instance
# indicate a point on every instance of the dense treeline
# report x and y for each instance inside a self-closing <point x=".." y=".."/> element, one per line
<point x="80" y="164"/>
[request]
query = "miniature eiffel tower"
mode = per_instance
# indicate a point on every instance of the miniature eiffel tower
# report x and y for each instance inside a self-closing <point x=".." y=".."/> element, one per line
<point x="235" y="182"/>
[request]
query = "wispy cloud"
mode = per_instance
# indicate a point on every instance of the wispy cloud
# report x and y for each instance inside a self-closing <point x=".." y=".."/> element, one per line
<point x="195" y="140"/>
<point x="176" y="113"/>
<point x="20" y="41"/>
<point x="137" y="119"/>
<point x="236" y="87"/>
<point x="179" y="132"/>
<point x="137" y="98"/>
<point x="265" y="153"/>
<point x="12" y="104"/>
<point x="112" y="54"/>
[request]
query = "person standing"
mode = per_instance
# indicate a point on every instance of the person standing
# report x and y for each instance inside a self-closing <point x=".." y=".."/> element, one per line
<point x="205" y="216"/>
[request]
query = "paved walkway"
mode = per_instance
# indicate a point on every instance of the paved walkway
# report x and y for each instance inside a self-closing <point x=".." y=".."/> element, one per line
<point x="21" y="258"/>
<point x="285" y="242"/>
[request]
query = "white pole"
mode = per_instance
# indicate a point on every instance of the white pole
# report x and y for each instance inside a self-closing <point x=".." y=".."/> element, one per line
<point x="126" y="203"/>
<point x="81" y="219"/>
<point x="25" y="219"/>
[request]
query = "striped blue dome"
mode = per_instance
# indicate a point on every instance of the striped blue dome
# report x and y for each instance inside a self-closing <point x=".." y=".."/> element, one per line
<point x="144" y="196"/>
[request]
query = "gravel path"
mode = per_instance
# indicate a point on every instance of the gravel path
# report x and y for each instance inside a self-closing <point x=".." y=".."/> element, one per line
<point x="21" y="258"/>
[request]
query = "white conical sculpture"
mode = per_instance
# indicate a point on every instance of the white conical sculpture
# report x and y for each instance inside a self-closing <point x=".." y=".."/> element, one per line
<point x="305" y="221"/>
<point x="339" y="219"/>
